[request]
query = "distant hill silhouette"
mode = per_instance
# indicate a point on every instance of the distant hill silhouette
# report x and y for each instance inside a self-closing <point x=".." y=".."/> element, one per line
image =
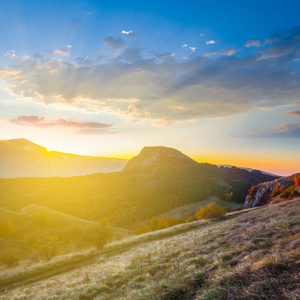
<point x="22" y="158"/>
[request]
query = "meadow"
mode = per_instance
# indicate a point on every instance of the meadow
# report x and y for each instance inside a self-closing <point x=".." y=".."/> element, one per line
<point x="253" y="254"/>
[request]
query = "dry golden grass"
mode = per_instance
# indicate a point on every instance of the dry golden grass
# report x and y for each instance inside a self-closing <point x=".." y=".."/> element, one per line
<point x="252" y="255"/>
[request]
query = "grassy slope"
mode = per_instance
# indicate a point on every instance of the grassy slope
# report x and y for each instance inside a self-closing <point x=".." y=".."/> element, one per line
<point x="30" y="235"/>
<point x="50" y="218"/>
<point x="253" y="255"/>
<point x="186" y="210"/>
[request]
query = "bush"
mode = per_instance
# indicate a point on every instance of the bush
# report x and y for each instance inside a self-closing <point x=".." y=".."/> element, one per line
<point x="10" y="257"/>
<point x="49" y="247"/>
<point x="211" y="211"/>
<point x="290" y="193"/>
<point x="102" y="234"/>
<point x="252" y="191"/>
<point x="157" y="224"/>
<point x="297" y="180"/>
<point x="142" y="228"/>
<point x="275" y="192"/>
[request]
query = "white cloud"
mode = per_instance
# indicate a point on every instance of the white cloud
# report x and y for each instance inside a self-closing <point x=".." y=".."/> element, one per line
<point x="229" y="51"/>
<point x="184" y="45"/>
<point x="131" y="109"/>
<point x="162" y="122"/>
<point x="10" y="54"/>
<point x="210" y="42"/>
<point x="61" y="51"/>
<point x="69" y="46"/>
<point x="213" y="53"/>
<point x="252" y="43"/>
<point x="202" y="34"/>
<point x="126" y="32"/>
<point x="281" y="128"/>
<point x="129" y="33"/>
<point x="179" y="107"/>
<point x="81" y="57"/>
<point x="193" y="49"/>
<point x="5" y="72"/>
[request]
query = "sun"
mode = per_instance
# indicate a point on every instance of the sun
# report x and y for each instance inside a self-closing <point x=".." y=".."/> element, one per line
<point x="46" y="155"/>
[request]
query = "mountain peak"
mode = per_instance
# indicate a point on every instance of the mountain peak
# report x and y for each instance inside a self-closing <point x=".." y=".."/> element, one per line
<point x="157" y="157"/>
<point x="19" y="144"/>
<point x="18" y="140"/>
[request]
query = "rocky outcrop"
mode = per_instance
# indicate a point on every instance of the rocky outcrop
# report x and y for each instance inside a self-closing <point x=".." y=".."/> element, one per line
<point x="273" y="191"/>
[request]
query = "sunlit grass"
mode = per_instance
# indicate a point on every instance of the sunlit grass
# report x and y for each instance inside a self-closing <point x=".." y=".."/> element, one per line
<point x="218" y="260"/>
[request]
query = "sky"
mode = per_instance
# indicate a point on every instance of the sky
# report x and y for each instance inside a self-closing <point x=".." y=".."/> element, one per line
<point x="217" y="80"/>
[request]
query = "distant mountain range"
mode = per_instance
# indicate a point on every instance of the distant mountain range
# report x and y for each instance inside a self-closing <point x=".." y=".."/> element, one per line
<point x="248" y="169"/>
<point x="22" y="158"/>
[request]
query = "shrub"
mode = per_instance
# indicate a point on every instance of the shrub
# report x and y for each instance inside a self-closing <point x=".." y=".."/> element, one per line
<point x="157" y="224"/>
<point x="297" y="180"/>
<point x="252" y="191"/>
<point x="10" y="257"/>
<point x="190" y="219"/>
<point x="275" y="192"/>
<point x="290" y="193"/>
<point x="102" y="234"/>
<point x="142" y="228"/>
<point x="211" y="211"/>
<point x="166" y="221"/>
<point x="49" y="247"/>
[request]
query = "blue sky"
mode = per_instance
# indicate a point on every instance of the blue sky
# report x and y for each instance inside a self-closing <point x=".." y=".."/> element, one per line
<point x="217" y="80"/>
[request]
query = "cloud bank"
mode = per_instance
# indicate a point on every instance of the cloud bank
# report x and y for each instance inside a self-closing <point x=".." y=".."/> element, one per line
<point x="206" y="88"/>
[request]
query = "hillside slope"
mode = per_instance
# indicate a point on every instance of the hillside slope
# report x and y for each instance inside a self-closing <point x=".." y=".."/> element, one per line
<point x="22" y="158"/>
<point x="252" y="255"/>
<point x="34" y="218"/>
<point x="140" y="192"/>
<point x="38" y="232"/>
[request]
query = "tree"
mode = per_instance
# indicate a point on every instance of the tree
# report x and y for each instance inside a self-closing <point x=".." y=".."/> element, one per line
<point x="103" y="234"/>
<point x="228" y="196"/>
<point x="49" y="247"/>
<point x="10" y="257"/>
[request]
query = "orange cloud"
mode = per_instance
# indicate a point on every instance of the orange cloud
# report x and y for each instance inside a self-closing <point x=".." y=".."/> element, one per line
<point x="40" y="122"/>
